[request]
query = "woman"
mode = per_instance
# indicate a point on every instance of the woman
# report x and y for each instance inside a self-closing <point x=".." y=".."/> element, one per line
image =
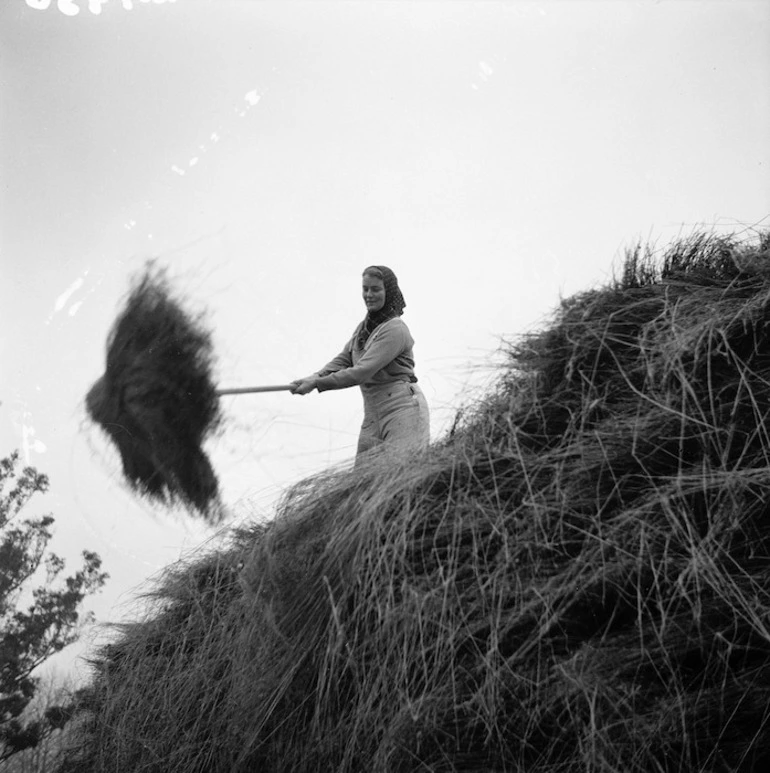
<point x="379" y="359"/>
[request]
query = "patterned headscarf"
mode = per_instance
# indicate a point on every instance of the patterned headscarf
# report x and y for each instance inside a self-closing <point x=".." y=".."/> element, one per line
<point x="394" y="302"/>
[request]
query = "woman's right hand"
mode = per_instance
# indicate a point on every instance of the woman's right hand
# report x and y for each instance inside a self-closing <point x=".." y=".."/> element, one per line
<point x="303" y="386"/>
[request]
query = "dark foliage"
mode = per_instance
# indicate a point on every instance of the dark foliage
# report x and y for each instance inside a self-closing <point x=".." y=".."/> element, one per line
<point x="31" y="634"/>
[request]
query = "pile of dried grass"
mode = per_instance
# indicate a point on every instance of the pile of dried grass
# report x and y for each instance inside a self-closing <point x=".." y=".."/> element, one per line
<point x="157" y="401"/>
<point x="577" y="579"/>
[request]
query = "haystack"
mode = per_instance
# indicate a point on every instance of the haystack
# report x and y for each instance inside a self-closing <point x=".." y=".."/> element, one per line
<point x="576" y="579"/>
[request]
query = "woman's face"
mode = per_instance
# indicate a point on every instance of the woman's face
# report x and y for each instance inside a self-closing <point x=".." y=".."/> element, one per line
<point x="373" y="292"/>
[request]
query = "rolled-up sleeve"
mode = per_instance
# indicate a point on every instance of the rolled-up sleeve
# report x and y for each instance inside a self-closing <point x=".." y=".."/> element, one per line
<point x="385" y="346"/>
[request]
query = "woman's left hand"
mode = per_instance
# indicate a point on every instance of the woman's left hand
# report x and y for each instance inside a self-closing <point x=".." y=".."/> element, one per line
<point x="303" y="386"/>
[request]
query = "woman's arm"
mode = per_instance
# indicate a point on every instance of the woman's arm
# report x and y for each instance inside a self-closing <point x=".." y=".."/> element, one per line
<point x="390" y="341"/>
<point x="344" y="359"/>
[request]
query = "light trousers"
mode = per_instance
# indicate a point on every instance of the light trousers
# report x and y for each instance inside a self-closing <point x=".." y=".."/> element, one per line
<point x="396" y="418"/>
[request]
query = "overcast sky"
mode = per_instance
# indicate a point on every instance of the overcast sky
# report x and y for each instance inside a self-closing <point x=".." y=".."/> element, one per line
<point x="496" y="155"/>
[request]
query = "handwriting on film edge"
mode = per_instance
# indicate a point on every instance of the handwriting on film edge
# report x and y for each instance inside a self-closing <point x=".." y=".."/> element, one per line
<point x="71" y="7"/>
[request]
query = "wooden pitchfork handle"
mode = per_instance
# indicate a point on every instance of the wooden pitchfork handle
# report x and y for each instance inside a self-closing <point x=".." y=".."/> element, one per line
<point x="248" y="390"/>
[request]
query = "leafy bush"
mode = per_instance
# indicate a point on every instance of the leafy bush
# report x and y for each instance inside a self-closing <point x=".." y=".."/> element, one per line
<point x="30" y="635"/>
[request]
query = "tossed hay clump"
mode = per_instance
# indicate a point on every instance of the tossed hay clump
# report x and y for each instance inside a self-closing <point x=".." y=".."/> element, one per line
<point x="576" y="579"/>
<point x="157" y="400"/>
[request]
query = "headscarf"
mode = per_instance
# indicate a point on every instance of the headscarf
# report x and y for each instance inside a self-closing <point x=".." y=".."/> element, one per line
<point x="394" y="302"/>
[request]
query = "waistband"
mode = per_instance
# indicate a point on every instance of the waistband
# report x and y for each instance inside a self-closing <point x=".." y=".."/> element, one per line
<point x="388" y="384"/>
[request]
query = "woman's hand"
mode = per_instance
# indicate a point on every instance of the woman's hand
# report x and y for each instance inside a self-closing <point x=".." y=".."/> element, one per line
<point x="303" y="386"/>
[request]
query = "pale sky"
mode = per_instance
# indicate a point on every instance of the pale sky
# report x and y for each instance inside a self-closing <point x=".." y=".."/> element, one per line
<point x="496" y="155"/>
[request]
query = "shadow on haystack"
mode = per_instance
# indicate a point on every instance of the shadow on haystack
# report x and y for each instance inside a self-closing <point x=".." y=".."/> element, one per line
<point x="576" y="579"/>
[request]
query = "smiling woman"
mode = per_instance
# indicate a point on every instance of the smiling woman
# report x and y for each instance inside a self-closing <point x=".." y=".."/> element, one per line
<point x="378" y="358"/>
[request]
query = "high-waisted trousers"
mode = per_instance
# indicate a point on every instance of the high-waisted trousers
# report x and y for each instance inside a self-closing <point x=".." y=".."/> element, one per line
<point x="396" y="418"/>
